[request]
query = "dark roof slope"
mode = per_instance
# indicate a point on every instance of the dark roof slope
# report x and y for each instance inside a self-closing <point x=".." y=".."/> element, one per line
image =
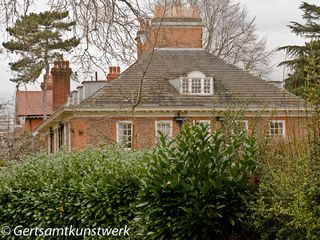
<point x="231" y="85"/>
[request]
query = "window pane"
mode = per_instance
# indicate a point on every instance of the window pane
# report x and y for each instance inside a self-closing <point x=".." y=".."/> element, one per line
<point x="124" y="134"/>
<point x="185" y="85"/>
<point x="276" y="128"/>
<point x="165" y="128"/>
<point x="207" y="85"/>
<point x="196" y="85"/>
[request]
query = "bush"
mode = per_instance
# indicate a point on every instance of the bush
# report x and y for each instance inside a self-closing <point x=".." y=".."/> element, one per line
<point x="288" y="201"/>
<point x="197" y="186"/>
<point x="94" y="188"/>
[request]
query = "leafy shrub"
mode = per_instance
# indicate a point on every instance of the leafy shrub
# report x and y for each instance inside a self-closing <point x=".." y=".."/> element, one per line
<point x="288" y="200"/>
<point x="197" y="186"/>
<point x="93" y="188"/>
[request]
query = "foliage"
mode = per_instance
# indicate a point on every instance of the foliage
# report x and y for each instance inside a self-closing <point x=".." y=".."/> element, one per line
<point x="37" y="37"/>
<point x="197" y="186"/>
<point x="305" y="63"/>
<point x="287" y="203"/>
<point x="93" y="188"/>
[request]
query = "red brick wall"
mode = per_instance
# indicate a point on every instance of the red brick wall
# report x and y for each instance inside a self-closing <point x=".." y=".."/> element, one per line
<point x="102" y="130"/>
<point x="31" y="124"/>
<point x="171" y="37"/>
<point x="180" y="33"/>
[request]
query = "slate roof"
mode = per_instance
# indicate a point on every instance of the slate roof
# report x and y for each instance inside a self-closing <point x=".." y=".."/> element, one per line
<point x="30" y="103"/>
<point x="231" y="84"/>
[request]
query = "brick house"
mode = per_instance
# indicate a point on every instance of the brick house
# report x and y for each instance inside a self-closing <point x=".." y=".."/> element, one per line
<point x="172" y="82"/>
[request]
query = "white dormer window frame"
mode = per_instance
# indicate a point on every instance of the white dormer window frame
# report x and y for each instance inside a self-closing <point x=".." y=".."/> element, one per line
<point x="196" y="83"/>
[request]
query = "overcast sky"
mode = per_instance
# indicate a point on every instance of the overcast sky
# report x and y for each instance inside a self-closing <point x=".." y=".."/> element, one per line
<point x="272" y="18"/>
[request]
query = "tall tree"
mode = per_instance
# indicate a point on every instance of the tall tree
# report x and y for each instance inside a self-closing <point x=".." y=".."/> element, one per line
<point x="304" y="79"/>
<point x="37" y="38"/>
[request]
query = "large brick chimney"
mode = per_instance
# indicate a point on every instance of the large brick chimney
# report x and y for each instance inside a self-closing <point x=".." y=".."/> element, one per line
<point x="61" y="73"/>
<point x="171" y="27"/>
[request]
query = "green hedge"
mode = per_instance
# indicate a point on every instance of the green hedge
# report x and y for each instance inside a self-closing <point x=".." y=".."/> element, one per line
<point x="93" y="188"/>
<point x="194" y="187"/>
<point x="197" y="186"/>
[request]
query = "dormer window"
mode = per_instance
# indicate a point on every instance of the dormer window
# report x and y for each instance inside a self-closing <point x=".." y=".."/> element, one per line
<point x="196" y="83"/>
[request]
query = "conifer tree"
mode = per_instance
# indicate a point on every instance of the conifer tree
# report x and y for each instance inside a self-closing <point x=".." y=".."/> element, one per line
<point x="305" y="63"/>
<point x="37" y="38"/>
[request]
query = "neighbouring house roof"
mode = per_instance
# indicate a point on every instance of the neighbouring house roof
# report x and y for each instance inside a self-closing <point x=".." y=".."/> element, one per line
<point x="30" y="103"/>
<point x="231" y="84"/>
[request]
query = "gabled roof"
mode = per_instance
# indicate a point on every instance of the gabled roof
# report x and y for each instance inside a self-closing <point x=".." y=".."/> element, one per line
<point x="30" y="103"/>
<point x="231" y="84"/>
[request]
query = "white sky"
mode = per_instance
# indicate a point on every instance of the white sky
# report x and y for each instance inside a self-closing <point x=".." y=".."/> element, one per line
<point x="272" y="18"/>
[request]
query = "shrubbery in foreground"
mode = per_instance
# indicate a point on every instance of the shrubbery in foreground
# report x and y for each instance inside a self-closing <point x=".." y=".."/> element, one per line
<point x="93" y="188"/>
<point x="287" y="205"/>
<point x="197" y="186"/>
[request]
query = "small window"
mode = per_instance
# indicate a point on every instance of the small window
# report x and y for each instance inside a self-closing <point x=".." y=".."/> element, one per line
<point x="197" y="86"/>
<point x="165" y="127"/>
<point x="124" y="133"/>
<point x="51" y="139"/>
<point x="277" y="128"/>
<point x="60" y="135"/>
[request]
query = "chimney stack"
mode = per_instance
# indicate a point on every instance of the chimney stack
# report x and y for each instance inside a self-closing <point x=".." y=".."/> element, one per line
<point x="114" y="72"/>
<point x="171" y="27"/>
<point x="61" y="73"/>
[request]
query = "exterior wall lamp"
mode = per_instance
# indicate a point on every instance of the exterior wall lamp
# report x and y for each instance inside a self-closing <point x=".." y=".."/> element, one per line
<point x="219" y="119"/>
<point x="179" y="119"/>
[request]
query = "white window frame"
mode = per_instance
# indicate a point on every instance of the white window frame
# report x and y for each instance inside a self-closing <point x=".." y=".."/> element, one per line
<point x="202" y="80"/>
<point x="283" y="128"/>
<point x="164" y="122"/>
<point x="117" y="132"/>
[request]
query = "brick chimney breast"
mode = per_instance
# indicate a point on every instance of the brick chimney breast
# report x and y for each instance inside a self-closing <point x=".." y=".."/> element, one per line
<point x="61" y="73"/>
<point x="172" y="27"/>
